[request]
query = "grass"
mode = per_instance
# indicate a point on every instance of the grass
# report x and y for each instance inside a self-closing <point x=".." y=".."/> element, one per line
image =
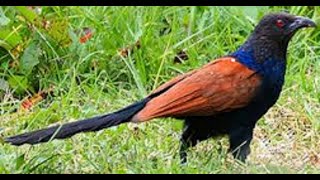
<point x="286" y="139"/>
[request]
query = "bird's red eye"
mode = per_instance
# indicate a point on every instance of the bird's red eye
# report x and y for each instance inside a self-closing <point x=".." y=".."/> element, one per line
<point x="280" y="23"/>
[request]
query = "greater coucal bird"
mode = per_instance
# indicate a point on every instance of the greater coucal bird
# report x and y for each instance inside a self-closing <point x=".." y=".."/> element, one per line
<point x="225" y="97"/>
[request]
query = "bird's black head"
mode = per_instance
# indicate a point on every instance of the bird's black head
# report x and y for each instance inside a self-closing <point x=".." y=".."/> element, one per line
<point x="271" y="36"/>
<point x="281" y="26"/>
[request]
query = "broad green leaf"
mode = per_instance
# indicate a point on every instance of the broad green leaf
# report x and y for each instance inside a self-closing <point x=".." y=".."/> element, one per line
<point x="30" y="58"/>
<point x="19" y="83"/>
<point x="27" y="13"/>
<point x="251" y="12"/>
<point x="5" y="45"/>
<point x="9" y="38"/>
<point x="20" y="161"/>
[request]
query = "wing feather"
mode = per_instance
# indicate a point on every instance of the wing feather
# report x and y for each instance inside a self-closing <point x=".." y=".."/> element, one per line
<point x="220" y="86"/>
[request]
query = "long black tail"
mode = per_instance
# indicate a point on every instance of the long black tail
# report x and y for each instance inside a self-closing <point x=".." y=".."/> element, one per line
<point x="67" y="130"/>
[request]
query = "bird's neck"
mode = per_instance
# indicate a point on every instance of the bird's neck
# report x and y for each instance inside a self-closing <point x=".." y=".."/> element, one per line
<point x="263" y="54"/>
<point x="267" y="58"/>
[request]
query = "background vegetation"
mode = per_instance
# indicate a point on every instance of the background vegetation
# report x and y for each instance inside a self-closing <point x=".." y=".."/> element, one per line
<point x="60" y="64"/>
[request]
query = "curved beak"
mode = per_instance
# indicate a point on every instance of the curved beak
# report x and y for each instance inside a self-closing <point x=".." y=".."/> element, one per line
<point x="301" y="22"/>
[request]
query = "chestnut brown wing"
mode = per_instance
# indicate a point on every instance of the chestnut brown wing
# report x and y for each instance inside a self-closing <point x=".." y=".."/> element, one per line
<point x="220" y="86"/>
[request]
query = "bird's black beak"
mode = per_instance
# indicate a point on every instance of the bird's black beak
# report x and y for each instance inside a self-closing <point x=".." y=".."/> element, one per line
<point x="301" y="22"/>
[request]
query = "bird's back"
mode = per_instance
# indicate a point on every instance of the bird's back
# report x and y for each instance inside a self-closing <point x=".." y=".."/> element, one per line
<point x="220" y="86"/>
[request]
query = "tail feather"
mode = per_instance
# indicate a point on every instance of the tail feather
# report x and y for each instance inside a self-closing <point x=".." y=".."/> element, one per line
<point x="67" y="130"/>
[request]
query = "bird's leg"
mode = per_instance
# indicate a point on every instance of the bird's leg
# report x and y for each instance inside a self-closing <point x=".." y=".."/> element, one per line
<point x="195" y="131"/>
<point x="187" y="140"/>
<point x="240" y="140"/>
